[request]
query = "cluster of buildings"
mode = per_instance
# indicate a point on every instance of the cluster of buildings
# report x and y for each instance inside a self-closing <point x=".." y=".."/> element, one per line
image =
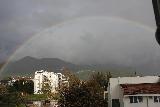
<point x="122" y="91"/>
<point x="41" y="78"/>
<point x="134" y="92"/>
<point x="11" y="80"/>
<point x="53" y="80"/>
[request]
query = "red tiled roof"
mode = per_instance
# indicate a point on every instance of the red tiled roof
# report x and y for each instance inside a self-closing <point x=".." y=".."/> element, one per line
<point x="145" y="88"/>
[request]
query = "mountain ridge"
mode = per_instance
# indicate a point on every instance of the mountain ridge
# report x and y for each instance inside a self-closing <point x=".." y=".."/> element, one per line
<point x="28" y="65"/>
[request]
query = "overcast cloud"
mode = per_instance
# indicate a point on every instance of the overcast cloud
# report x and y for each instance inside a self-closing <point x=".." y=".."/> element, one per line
<point x="94" y="40"/>
<point x="22" y="19"/>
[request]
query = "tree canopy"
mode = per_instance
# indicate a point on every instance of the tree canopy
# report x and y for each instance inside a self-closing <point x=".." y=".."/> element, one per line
<point x="84" y="93"/>
<point x="24" y="86"/>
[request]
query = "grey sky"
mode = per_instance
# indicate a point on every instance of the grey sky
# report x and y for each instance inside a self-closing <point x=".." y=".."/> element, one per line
<point x="94" y="40"/>
<point x="21" y="19"/>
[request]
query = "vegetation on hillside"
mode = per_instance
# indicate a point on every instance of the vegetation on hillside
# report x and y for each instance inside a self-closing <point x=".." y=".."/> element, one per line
<point x="85" y="74"/>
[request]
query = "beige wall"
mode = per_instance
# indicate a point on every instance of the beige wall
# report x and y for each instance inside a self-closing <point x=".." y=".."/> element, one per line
<point x="151" y="103"/>
<point x="114" y="89"/>
<point x="127" y="103"/>
<point x="147" y="102"/>
<point x="138" y="80"/>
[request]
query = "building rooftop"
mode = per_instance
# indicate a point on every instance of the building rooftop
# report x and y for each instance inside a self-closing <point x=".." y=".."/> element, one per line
<point x="144" y="88"/>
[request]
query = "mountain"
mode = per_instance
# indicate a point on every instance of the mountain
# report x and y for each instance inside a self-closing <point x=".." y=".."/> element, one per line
<point x="28" y="65"/>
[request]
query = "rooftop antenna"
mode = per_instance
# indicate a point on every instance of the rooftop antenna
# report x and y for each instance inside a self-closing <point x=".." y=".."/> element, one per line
<point x="156" y="7"/>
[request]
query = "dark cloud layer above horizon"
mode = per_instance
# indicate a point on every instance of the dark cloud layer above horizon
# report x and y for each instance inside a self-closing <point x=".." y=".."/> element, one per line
<point x="21" y="19"/>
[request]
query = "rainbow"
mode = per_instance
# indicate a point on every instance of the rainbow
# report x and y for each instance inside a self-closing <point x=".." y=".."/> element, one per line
<point x="145" y="27"/>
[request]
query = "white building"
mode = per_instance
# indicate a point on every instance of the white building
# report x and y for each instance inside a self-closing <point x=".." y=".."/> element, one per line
<point x="134" y="92"/>
<point x="53" y="79"/>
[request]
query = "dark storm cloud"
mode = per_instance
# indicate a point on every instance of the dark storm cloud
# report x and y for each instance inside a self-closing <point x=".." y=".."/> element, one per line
<point x="21" y="19"/>
<point x="94" y="40"/>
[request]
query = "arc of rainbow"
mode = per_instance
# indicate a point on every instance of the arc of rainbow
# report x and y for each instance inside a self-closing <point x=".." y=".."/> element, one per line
<point x="147" y="28"/>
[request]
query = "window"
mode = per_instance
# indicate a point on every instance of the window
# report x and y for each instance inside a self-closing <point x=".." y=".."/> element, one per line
<point x="131" y="99"/>
<point x="136" y="99"/>
<point x="157" y="99"/>
<point x="150" y="97"/>
<point x="115" y="103"/>
<point x="140" y="98"/>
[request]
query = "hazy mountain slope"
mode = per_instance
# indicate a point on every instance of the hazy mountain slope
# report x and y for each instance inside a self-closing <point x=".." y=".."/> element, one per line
<point x="28" y="65"/>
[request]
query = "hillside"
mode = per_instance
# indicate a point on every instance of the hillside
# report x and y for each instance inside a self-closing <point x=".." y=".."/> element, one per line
<point x="28" y="65"/>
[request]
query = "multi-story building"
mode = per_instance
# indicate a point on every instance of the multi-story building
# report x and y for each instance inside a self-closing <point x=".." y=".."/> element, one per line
<point x="54" y="80"/>
<point x="134" y="92"/>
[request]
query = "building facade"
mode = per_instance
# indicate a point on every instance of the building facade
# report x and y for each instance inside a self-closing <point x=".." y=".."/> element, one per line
<point x="54" y="80"/>
<point x="134" y="92"/>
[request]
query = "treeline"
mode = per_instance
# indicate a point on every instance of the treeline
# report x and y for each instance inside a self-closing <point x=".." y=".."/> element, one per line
<point x="89" y="93"/>
<point x="78" y="93"/>
<point x="13" y="94"/>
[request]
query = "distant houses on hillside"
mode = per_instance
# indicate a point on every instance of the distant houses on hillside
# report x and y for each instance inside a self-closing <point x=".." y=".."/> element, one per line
<point x="134" y="92"/>
<point x="10" y="80"/>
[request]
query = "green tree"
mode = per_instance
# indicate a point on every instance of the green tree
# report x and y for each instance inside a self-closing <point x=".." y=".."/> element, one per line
<point x="11" y="99"/>
<point x="3" y="89"/>
<point x="84" y="93"/>
<point x="23" y="86"/>
<point x="46" y="86"/>
<point x="72" y="78"/>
